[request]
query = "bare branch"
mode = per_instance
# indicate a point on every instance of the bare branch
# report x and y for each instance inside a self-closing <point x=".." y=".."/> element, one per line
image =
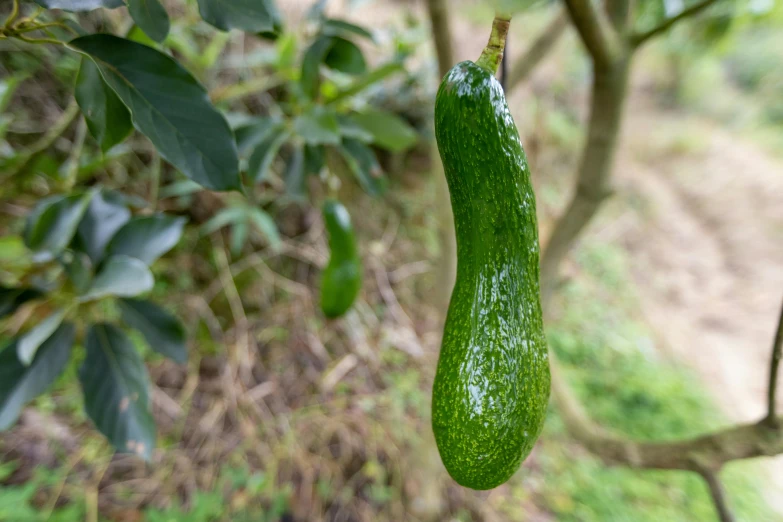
<point x="718" y="495"/>
<point x="710" y="451"/>
<point x="538" y="50"/>
<point x="777" y="353"/>
<point x="441" y="33"/>
<point x="641" y="38"/>
<point x="597" y="34"/>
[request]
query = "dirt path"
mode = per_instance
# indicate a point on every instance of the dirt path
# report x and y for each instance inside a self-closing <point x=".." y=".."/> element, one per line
<point x="706" y="245"/>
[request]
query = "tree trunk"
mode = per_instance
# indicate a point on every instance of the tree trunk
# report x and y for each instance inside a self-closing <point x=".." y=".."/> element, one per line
<point x="446" y="271"/>
<point x="609" y="89"/>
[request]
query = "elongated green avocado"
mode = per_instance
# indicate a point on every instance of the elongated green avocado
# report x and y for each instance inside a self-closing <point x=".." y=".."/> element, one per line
<point x="342" y="278"/>
<point x="491" y="388"/>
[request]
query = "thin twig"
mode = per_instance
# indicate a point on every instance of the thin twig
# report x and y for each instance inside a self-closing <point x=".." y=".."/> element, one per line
<point x="718" y="495"/>
<point x="13" y="15"/>
<point x="777" y="353"/>
<point x="641" y="38"/>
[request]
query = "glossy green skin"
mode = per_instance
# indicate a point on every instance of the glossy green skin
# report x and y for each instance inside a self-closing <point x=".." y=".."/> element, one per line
<point x="491" y="388"/>
<point x="342" y="278"/>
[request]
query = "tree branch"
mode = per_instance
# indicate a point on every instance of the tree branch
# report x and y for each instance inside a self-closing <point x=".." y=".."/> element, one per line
<point x="712" y="450"/>
<point x="441" y="34"/>
<point x="537" y="50"/>
<point x="717" y="494"/>
<point x="640" y="38"/>
<point x="597" y="34"/>
<point x="777" y="353"/>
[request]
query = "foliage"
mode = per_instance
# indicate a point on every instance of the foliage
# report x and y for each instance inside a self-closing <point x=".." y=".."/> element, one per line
<point x="88" y="252"/>
<point x="89" y="256"/>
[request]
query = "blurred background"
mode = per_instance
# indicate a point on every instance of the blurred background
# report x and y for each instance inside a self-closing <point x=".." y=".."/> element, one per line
<point x="663" y="320"/>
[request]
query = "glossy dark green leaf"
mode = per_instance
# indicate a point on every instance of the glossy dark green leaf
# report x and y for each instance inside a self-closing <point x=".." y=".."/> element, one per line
<point x="264" y="154"/>
<point x="295" y="173"/>
<point x="53" y="222"/>
<point x="163" y="332"/>
<point x="136" y="34"/>
<point x="105" y="215"/>
<point x="151" y="17"/>
<point x="389" y="131"/>
<point x="335" y="27"/>
<point x="266" y="225"/>
<point x="251" y="134"/>
<point x="314" y="159"/>
<point x="116" y="386"/>
<point x="19" y="384"/>
<point x="79" y="5"/>
<point x="107" y="117"/>
<point x="169" y="106"/>
<point x="120" y="276"/>
<point x="364" y="165"/>
<point x="345" y="56"/>
<point x="254" y="16"/>
<point x="12" y="298"/>
<point x="318" y="126"/>
<point x="310" y="79"/>
<point x="28" y="343"/>
<point x="147" y="238"/>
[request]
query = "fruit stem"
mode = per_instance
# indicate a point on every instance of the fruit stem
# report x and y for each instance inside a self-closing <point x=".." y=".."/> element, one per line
<point x="493" y="53"/>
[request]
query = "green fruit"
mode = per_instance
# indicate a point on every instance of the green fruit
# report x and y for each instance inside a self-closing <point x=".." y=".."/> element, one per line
<point x="492" y="383"/>
<point x="342" y="277"/>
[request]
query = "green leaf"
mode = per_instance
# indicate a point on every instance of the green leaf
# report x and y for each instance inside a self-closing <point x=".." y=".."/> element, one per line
<point x="389" y="131"/>
<point x="168" y="106"/>
<point x="319" y="126"/>
<point x="314" y="159"/>
<point x="265" y="153"/>
<point x="27" y="344"/>
<point x="163" y="332"/>
<point x="120" y="276"/>
<point x="147" y="238"/>
<point x="266" y="225"/>
<point x="238" y="237"/>
<point x="335" y="27"/>
<point x="19" y="384"/>
<point x="251" y="134"/>
<point x="53" y="222"/>
<point x="350" y="128"/>
<point x="367" y="80"/>
<point x="79" y="5"/>
<point x="181" y="188"/>
<point x="345" y="56"/>
<point x="79" y="269"/>
<point x="254" y="16"/>
<point x="8" y="87"/>
<point x="226" y="216"/>
<point x="151" y="17"/>
<point x="12" y="298"/>
<point x="295" y="173"/>
<point x="310" y="79"/>
<point x="116" y="385"/>
<point x="105" y="215"/>
<point x="107" y="117"/>
<point x="364" y="165"/>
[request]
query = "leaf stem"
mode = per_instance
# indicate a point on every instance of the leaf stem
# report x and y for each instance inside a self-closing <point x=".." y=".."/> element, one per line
<point x="493" y="53"/>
